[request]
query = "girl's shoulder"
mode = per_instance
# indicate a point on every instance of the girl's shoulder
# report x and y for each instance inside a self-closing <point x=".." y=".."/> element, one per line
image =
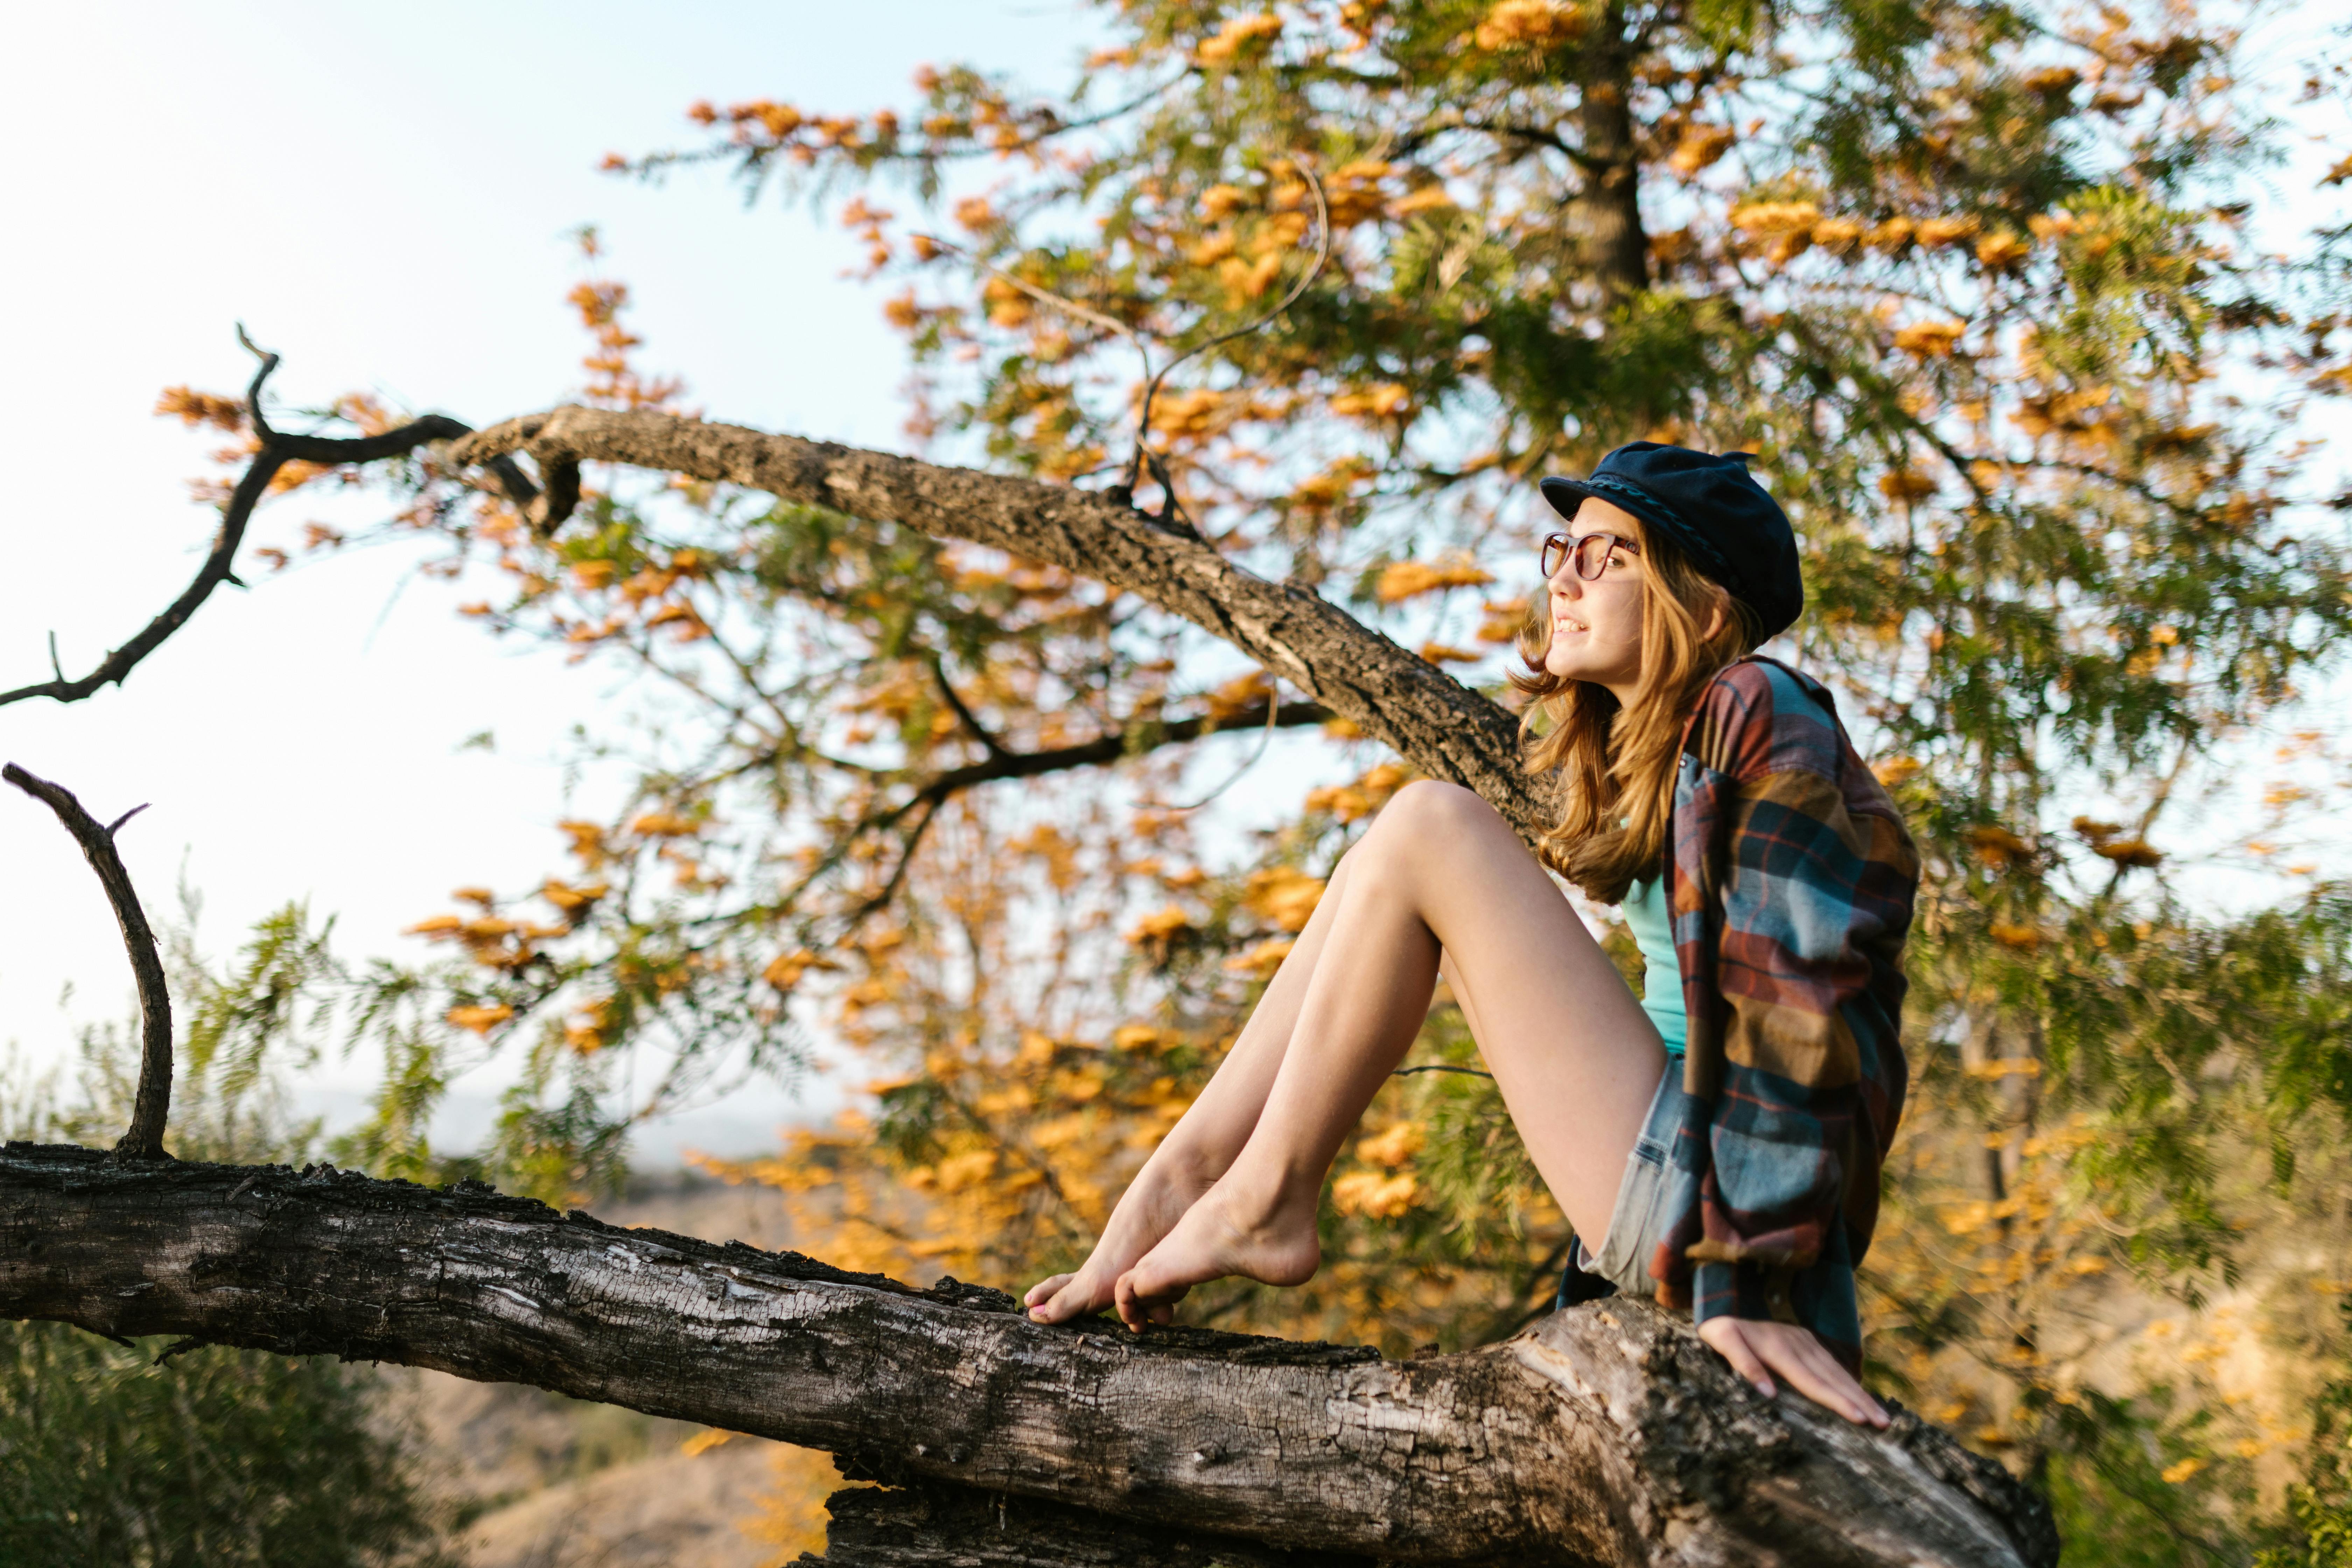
<point x="1757" y="716"/>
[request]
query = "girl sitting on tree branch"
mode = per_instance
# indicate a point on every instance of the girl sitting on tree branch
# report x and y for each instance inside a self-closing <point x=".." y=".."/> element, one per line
<point x="1722" y="1137"/>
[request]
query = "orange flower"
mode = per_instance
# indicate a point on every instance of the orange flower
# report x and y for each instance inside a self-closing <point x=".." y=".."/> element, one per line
<point x="1162" y="927"/>
<point x="1997" y="846"/>
<point x="1776" y="217"/>
<point x="785" y="970"/>
<point x="1402" y="580"/>
<point x="1374" y="1196"/>
<point x="1260" y="961"/>
<point x="1906" y="485"/>
<point x="1527" y="25"/>
<point x="1395" y="1146"/>
<point x="2129" y="853"/>
<point x="202" y="408"/>
<point x="1238" y="35"/>
<point x="1505" y="620"/>
<point x="1372" y="402"/>
<point x="587" y="839"/>
<point x="1998" y="252"/>
<point x="1931" y="340"/>
<point x="569" y="898"/>
<point x="1699" y="146"/>
<point x="1936" y="232"/>
<point x="1284" y="895"/>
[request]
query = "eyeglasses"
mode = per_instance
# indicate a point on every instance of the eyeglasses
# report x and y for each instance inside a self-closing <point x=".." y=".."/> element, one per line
<point x="1591" y="553"/>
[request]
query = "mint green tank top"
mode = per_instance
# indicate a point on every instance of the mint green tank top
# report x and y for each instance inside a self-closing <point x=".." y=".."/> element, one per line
<point x="1661" y="974"/>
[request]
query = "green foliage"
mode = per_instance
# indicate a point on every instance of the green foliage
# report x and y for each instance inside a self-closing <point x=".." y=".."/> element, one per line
<point x="110" y="1454"/>
<point x="215" y="1458"/>
<point x="2319" y="1507"/>
<point x="2119" y="1500"/>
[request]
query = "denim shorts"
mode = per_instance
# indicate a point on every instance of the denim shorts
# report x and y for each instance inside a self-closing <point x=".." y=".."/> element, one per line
<point x="1643" y="1196"/>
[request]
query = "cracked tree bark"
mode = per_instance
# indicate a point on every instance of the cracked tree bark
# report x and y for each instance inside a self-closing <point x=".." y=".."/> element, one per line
<point x="1606" y="1435"/>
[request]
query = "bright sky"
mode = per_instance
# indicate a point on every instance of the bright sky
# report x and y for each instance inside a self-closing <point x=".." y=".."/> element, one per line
<point x="384" y="195"/>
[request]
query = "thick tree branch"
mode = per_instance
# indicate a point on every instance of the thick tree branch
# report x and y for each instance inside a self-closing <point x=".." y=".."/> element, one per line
<point x="1606" y="1435"/>
<point x="152" y="1106"/>
<point x="277" y="450"/>
<point x="1441" y="727"/>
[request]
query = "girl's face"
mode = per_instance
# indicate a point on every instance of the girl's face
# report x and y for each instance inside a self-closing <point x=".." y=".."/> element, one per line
<point x="1596" y="625"/>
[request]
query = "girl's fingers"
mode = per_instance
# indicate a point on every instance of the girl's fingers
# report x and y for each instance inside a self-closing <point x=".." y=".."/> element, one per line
<point x="1731" y="1344"/>
<point x="1812" y="1372"/>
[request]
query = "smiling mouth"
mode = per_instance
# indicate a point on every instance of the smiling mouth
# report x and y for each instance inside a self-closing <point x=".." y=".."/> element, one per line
<point x="1570" y="626"/>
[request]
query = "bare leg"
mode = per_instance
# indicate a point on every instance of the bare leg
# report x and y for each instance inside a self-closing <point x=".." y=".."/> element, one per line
<point x="1199" y="1147"/>
<point x="1574" y="1056"/>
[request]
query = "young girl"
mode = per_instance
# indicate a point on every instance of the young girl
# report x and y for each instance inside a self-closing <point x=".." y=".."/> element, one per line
<point x="1722" y="1136"/>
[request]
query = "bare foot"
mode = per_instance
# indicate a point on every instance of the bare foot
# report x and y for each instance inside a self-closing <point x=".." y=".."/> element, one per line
<point x="1148" y="1211"/>
<point x="1222" y="1236"/>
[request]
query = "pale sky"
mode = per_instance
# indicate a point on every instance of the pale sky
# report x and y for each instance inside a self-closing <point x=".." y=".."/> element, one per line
<point x="383" y="196"/>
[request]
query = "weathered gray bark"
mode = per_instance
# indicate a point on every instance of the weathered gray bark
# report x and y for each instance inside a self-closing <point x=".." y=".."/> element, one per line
<point x="1606" y="1435"/>
<point x="1433" y="720"/>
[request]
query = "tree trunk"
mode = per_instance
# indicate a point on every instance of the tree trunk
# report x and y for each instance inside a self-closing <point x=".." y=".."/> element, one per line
<point x="1606" y="1435"/>
<point x="1608" y="214"/>
<point x="1432" y="720"/>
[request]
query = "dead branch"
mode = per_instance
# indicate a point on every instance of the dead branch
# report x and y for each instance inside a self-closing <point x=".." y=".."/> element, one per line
<point x="152" y="1106"/>
<point x="1606" y="1435"/>
<point x="276" y="450"/>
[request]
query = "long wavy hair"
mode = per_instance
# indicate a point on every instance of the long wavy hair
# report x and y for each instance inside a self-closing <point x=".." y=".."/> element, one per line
<point x="1616" y="761"/>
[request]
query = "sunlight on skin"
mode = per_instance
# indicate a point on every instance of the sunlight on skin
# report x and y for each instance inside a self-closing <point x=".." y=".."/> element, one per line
<point x="1441" y="877"/>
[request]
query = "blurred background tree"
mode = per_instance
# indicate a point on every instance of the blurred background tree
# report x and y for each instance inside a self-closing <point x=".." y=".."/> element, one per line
<point x="2032" y="326"/>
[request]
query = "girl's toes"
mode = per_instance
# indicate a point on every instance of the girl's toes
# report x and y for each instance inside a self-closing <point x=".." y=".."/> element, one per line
<point x="1045" y="1291"/>
<point x="1064" y="1304"/>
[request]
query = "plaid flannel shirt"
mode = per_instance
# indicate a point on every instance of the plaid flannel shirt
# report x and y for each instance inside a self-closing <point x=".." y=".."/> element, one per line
<point x="1790" y="879"/>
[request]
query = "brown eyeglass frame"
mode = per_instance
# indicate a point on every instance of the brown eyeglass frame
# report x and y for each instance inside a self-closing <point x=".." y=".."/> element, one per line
<point x="1557" y="546"/>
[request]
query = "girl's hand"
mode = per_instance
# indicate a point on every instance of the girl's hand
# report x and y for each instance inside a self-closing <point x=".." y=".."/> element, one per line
<point x="1756" y="1350"/>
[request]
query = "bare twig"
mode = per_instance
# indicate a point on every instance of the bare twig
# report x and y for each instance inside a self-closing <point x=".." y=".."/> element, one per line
<point x="1265" y="739"/>
<point x="1145" y="460"/>
<point x="277" y="449"/>
<point x="1094" y="753"/>
<point x="995" y="747"/>
<point x="1298" y="291"/>
<point x="144" y="1141"/>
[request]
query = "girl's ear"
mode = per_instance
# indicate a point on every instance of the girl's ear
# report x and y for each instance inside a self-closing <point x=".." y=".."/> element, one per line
<point x="1719" y="609"/>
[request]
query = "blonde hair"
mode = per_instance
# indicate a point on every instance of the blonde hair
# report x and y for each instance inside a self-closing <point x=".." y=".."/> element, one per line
<point x="1617" y="762"/>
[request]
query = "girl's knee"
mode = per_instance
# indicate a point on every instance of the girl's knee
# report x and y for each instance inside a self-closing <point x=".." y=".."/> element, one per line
<point x="1433" y="806"/>
<point x="1424" y="819"/>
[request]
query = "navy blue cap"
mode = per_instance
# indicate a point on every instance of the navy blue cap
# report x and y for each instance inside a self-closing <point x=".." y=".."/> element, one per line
<point x="1713" y="509"/>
